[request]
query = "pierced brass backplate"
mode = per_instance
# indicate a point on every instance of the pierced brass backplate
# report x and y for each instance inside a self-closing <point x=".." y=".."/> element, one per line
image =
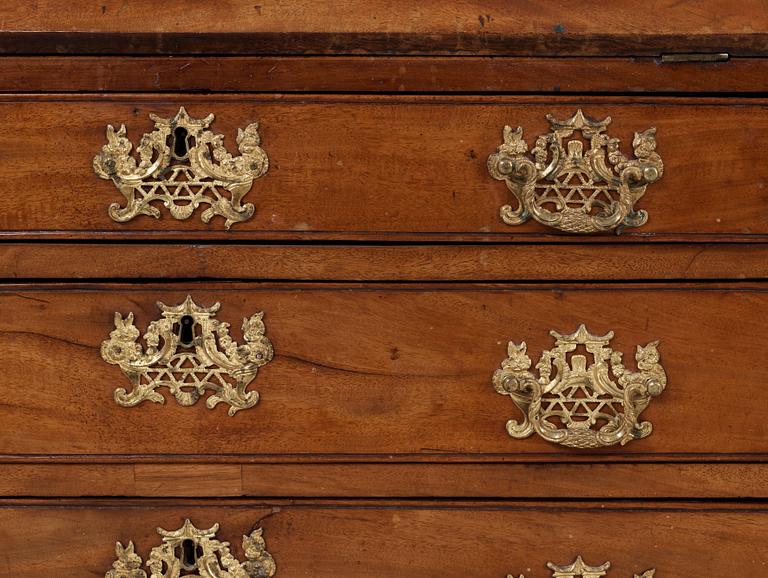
<point x="196" y="354"/>
<point x="563" y="187"/>
<point x="581" y="406"/>
<point x="189" y="550"/>
<point x="182" y="165"/>
<point x="580" y="570"/>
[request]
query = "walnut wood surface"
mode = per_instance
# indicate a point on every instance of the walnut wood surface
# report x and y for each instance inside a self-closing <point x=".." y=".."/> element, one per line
<point x="380" y="371"/>
<point x="596" y="480"/>
<point x="383" y="166"/>
<point x="383" y="390"/>
<point x="374" y="74"/>
<point x="379" y="26"/>
<point x="389" y="539"/>
<point x="580" y="262"/>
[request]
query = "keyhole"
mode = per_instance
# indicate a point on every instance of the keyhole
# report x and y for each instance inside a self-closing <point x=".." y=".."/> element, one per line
<point x="186" y="335"/>
<point x="180" y="142"/>
<point x="188" y="554"/>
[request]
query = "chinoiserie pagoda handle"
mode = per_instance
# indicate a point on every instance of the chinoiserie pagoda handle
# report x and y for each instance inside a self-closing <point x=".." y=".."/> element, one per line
<point x="561" y="185"/>
<point x="188" y="351"/>
<point x="585" y="401"/>
<point x="579" y="569"/>
<point x="182" y="165"/>
<point x="190" y="549"/>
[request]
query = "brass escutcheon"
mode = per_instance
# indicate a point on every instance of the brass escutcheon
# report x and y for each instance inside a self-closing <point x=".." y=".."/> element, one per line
<point x="188" y="351"/>
<point x="182" y="165"/>
<point x="188" y="550"/>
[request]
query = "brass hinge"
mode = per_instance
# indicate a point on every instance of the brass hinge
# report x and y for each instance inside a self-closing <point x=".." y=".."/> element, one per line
<point x="696" y="57"/>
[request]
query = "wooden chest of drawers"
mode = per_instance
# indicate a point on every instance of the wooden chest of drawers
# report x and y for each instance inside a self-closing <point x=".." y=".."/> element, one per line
<point x="360" y="290"/>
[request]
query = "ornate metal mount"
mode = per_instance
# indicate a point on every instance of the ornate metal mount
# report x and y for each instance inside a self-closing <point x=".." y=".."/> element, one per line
<point x="581" y="570"/>
<point x="184" y="165"/>
<point x="575" y="191"/>
<point x="581" y="406"/>
<point x="196" y="354"/>
<point x="196" y="554"/>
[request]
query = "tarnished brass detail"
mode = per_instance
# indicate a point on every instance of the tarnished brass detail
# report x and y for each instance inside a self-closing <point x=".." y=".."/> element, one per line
<point x="580" y="570"/>
<point x="195" y="554"/>
<point x="196" y="354"/>
<point x="581" y="406"/>
<point x="563" y="187"/>
<point x="183" y="165"/>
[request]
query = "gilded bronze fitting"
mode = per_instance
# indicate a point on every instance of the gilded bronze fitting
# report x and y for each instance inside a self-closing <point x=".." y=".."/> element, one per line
<point x="581" y="405"/>
<point x="188" y="351"/>
<point x="189" y="550"/>
<point x="581" y="570"/>
<point x="562" y="186"/>
<point x="182" y="165"/>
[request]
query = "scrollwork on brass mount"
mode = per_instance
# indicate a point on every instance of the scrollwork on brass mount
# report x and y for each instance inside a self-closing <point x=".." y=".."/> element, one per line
<point x="189" y="550"/>
<point x="188" y="351"/>
<point x="581" y="405"/>
<point x="580" y="570"/>
<point x="183" y="165"/>
<point x="563" y="187"/>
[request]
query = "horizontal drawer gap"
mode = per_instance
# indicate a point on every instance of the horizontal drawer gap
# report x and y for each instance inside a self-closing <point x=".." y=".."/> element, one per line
<point x="390" y="459"/>
<point x="367" y="238"/>
<point x="758" y="92"/>
<point x="459" y="502"/>
<point x="393" y="98"/>
<point x="423" y="283"/>
<point x="681" y="506"/>
<point x="628" y="242"/>
<point x="76" y="285"/>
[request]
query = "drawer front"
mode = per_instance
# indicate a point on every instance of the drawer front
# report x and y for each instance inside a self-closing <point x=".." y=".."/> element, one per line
<point x="404" y="74"/>
<point x="375" y="371"/>
<point x="491" y="28"/>
<point x="391" y="539"/>
<point x="374" y="167"/>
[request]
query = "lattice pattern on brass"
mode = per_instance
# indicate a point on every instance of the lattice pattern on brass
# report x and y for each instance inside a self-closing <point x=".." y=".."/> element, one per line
<point x="563" y="186"/>
<point x="575" y="188"/>
<point x="188" y="351"/>
<point x="576" y="403"/>
<point x="181" y="192"/>
<point x="187" y="372"/>
<point x="182" y="165"/>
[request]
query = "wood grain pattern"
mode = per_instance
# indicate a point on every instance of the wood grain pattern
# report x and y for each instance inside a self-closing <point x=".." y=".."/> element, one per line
<point x="386" y="539"/>
<point x="384" y="166"/>
<point x="374" y="74"/>
<point x="377" y="416"/>
<point x="376" y="26"/>
<point x="380" y="371"/>
<point x="596" y="480"/>
<point x="384" y="263"/>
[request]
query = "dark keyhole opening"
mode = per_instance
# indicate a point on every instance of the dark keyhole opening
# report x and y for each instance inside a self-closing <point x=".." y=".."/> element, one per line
<point x="188" y="554"/>
<point x="186" y="335"/>
<point x="180" y="142"/>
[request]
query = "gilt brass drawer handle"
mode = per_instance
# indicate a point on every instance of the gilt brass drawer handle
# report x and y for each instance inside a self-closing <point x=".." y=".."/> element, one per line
<point x="183" y="165"/>
<point x="563" y="187"/>
<point x="191" y="550"/>
<point x="580" y="570"/>
<point x="581" y="405"/>
<point x="188" y="351"/>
